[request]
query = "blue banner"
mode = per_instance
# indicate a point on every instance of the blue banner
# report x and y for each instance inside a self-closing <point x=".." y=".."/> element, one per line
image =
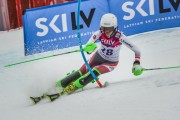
<point x="137" y="16"/>
<point x="55" y="27"/>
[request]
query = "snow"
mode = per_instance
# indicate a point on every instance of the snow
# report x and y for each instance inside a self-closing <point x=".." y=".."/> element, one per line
<point x="152" y="96"/>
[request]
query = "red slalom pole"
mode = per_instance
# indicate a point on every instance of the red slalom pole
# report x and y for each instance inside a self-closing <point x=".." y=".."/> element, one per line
<point x="99" y="83"/>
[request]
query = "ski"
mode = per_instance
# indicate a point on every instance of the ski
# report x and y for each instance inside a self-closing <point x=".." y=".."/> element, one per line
<point x="38" y="99"/>
<point x="35" y="99"/>
<point x="53" y="97"/>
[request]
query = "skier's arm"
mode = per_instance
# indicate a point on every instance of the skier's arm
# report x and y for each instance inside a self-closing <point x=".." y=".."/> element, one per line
<point x="137" y="69"/>
<point x="90" y="45"/>
<point x="132" y="46"/>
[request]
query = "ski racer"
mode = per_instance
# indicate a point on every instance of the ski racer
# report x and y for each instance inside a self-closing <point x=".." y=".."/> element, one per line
<point x="106" y="58"/>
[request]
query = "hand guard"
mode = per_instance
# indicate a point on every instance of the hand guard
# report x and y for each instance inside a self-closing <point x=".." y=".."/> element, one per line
<point x="89" y="48"/>
<point x="137" y="69"/>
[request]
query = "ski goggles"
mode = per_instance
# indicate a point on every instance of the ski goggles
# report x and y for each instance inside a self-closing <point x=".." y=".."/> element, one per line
<point x="107" y="28"/>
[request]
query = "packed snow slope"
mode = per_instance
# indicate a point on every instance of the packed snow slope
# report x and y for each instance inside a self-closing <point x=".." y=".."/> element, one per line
<point x="154" y="95"/>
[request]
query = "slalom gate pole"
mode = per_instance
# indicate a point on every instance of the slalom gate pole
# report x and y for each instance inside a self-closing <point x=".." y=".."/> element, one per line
<point x="161" y="68"/>
<point x="81" y="49"/>
<point x="9" y="65"/>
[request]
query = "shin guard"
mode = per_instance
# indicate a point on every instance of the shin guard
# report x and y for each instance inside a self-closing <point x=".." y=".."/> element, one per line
<point x="87" y="78"/>
<point x="69" y="79"/>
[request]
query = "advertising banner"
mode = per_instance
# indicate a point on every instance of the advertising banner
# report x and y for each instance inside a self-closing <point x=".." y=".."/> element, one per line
<point x="55" y="27"/>
<point x="137" y="16"/>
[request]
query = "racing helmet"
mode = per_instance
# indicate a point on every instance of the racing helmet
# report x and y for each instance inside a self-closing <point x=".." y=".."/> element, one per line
<point x="108" y="22"/>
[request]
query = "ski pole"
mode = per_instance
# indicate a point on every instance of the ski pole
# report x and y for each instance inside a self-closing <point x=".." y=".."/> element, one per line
<point x="9" y="65"/>
<point x="145" y="69"/>
<point x="80" y="46"/>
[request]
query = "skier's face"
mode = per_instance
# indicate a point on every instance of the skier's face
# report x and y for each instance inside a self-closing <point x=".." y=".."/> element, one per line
<point x="108" y="33"/>
<point x="107" y="30"/>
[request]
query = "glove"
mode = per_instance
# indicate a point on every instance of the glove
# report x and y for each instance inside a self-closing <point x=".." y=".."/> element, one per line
<point x="137" y="69"/>
<point x="90" y="47"/>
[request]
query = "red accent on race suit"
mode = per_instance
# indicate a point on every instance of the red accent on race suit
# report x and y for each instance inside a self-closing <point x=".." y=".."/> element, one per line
<point x="110" y="42"/>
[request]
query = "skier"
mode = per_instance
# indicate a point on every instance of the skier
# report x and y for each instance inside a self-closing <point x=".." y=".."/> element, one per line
<point x="105" y="59"/>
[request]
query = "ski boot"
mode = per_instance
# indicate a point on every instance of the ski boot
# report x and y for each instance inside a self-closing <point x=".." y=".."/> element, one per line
<point x="81" y="82"/>
<point x="69" y="79"/>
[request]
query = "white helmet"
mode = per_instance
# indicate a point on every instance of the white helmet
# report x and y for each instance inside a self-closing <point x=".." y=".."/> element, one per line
<point x="108" y="20"/>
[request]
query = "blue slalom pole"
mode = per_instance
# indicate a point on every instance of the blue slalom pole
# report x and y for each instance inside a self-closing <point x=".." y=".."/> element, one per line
<point x="81" y="48"/>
